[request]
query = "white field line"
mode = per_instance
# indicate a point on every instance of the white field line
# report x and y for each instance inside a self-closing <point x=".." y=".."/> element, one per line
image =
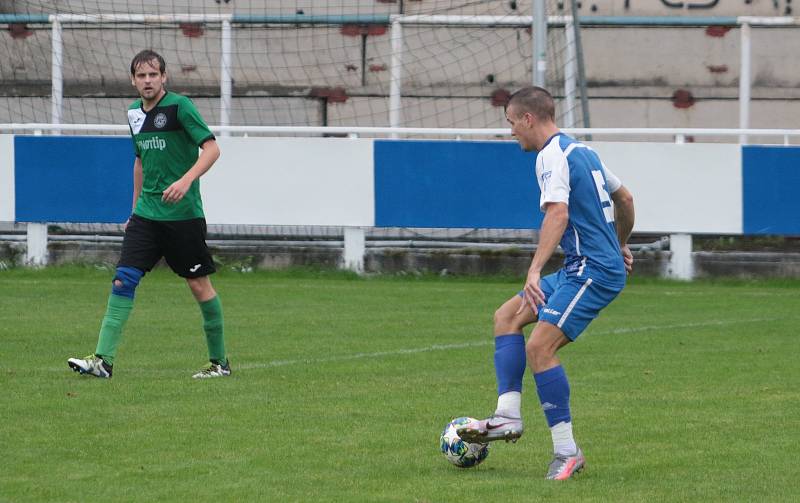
<point x="442" y="347"/>
<point x="487" y="342"/>
<point x="358" y="356"/>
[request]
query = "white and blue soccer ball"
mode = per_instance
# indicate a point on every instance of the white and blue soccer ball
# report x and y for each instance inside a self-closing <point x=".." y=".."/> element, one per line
<point x="460" y="453"/>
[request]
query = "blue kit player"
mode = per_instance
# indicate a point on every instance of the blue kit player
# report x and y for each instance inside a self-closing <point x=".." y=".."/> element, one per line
<point x="590" y="214"/>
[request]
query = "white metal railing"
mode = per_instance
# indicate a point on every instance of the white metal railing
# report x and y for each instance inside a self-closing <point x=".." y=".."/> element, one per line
<point x="679" y="135"/>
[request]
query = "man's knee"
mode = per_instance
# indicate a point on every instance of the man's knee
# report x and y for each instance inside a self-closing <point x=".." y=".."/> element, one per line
<point x="500" y="317"/>
<point x="505" y="321"/>
<point x="125" y="281"/>
<point x="544" y="343"/>
<point x="201" y="288"/>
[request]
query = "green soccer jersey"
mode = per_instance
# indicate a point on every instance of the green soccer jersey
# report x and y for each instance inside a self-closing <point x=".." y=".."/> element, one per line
<point x="166" y="139"/>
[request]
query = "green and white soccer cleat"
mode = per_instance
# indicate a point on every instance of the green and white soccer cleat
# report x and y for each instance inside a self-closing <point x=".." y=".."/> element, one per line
<point x="92" y="365"/>
<point x="214" y="370"/>
<point x="565" y="466"/>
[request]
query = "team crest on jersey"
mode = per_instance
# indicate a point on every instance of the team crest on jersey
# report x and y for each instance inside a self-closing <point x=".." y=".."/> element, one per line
<point x="160" y="121"/>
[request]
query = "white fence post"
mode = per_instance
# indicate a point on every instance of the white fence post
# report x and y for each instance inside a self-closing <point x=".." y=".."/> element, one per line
<point x="37" y="244"/>
<point x="354" y="247"/>
<point x="570" y="73"/>
<point x="539" y="27"/>
<point x="744" y="80"/>
<point x="226" y="78"/>
<point x="57" y="75"/>
<point x="681" y="265"/>
<point x="396" y="76"/>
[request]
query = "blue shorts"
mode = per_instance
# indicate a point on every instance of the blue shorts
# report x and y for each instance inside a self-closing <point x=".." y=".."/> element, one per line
<point x="572" y="303"/>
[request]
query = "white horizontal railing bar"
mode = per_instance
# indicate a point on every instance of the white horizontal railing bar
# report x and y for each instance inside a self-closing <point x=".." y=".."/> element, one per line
<point x="683" y="131"/>
<point x="768" y="21"/>
<point x="264" y="129"/>
<point x="425" y="19"/>
<point x="46" y="126"/>
<point x="419" y="19"/>
<point x="140" y="18"/>
<point x="687" y="21"/>
<point x="336" y="130"/>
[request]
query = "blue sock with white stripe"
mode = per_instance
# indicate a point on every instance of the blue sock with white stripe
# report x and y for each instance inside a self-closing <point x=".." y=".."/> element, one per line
<point x="553" y="389"/>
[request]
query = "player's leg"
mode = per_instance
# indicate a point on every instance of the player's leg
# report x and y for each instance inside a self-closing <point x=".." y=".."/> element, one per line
<point x="187" y="254"/>
<point x="213" y="326"/>
<point x="509" y="364"/>
<point x="139" y="254"/>
<point x="509" y="356"/>
<point x="552" y="386"/>
<point x="566" y="314"/>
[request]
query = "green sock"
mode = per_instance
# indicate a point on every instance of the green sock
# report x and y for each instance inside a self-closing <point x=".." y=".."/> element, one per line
<point x="111" y="330"/>
<point x="213" y="327"/>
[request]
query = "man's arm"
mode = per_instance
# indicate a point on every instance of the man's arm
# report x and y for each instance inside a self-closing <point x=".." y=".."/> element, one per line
<point x="138" y="178"/>
<point x="624" y="216"/>
<point x="208" y="156"/>
<point x="554" y="223"/>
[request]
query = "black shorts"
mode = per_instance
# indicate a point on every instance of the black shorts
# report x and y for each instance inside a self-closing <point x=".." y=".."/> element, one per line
<point x="182" y="243"/>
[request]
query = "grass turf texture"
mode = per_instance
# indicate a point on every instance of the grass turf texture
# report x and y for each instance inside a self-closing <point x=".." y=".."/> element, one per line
<point x="341" y="386"/>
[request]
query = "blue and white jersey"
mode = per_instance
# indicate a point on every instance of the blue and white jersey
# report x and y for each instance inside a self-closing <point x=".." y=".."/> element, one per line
<point x="572" y="173"/>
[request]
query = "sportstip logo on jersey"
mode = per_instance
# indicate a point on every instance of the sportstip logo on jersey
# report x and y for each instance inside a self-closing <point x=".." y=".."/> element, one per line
<point x="152" y="143"/>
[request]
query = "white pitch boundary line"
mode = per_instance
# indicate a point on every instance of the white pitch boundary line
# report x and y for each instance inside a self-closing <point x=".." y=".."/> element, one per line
<point x="358" y="356"/>
<point x="446" y="347"/>
<point x="682" y="325"/>
<point x="464" y="345"/>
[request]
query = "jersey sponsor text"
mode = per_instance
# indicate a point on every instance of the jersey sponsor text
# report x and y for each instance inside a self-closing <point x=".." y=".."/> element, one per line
<point x="152" y="143"/>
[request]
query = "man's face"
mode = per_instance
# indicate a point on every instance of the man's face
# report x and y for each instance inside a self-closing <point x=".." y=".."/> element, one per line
<point x="521" y="127"/>
<point x="148" y="79"/>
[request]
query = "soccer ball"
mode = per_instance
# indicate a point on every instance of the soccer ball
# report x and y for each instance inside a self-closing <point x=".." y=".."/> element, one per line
<point x="460" y="453"/>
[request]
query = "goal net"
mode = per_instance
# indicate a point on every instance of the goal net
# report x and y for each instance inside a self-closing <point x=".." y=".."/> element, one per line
<point x="287" y="63"/>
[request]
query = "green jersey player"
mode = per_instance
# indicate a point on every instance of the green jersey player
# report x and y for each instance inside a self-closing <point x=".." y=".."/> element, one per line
<point x="167" y="219"/>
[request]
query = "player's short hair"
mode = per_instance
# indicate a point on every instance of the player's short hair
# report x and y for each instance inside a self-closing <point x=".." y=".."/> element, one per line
<point x="534" y="100"/>
<point x="147" y="56"/>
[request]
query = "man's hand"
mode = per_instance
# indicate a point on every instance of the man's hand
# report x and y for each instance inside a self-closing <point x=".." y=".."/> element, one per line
<point x="532" y="295"/>
<point x="627" y="257"/>
<point x="176" y="191"/>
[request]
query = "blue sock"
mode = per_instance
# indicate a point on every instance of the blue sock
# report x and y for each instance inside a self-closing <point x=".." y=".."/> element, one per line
<point x="553" y="389"/>
<point x="509" y="362"/>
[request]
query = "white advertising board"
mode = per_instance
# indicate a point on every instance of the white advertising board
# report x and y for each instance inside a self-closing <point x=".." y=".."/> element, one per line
<point x="291" y="181"/>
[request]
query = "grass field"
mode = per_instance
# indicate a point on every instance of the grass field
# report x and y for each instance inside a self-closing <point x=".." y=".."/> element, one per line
<point x="341" y="386"/>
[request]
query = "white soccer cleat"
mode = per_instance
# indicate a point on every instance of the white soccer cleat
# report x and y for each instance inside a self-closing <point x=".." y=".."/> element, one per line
<point x="214" y="370"/>
<point x="495" y="427"/>
<point x="92" y="365"/>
